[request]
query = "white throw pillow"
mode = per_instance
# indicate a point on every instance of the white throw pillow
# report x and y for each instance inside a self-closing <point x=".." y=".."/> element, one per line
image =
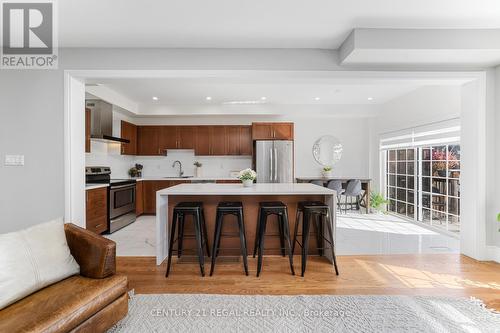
<point x="32" y="259"/>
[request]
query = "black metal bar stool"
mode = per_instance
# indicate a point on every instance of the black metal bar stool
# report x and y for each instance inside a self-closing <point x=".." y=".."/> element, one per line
<point x="281" y="211"/>
<point x="195" y="209"/>
<point x="229" y="208"/>
<point x="320" y="214"/>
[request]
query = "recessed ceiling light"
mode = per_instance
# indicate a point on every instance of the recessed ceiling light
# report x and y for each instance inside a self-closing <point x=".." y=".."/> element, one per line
<point x="370" y="98"/>
<point x="208" y="98"/>
<point x="316" y="98"/>
<point x="263" y="98"/>
<point x="155" y="98"/>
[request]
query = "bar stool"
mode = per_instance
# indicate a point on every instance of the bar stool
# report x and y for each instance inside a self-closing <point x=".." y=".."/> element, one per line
<point x="281" y="211"/>
<point x="321" y="214"/>
<point x="195" y="209"/>
<point x="229" y="208"/>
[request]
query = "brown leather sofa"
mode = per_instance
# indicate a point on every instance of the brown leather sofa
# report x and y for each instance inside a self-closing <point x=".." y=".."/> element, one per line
<point x="90" y="302"/>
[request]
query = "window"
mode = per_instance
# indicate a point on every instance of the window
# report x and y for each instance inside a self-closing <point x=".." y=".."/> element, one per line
<point x="423" y="183"/>
<point x="401" y="181"/>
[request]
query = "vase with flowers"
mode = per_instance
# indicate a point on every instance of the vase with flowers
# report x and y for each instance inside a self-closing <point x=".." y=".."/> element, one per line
<point x="198" y="166"/>
<point x="247" y="177"/>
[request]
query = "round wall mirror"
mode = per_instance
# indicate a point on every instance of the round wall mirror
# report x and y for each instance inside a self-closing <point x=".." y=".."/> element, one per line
<point x="327" y="150"/>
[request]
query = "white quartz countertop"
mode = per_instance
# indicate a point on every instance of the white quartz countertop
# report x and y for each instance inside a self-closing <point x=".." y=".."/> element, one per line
<point x="183" y="178"/>
<point x="94" y="186"/>
<point x="238" y="189"/>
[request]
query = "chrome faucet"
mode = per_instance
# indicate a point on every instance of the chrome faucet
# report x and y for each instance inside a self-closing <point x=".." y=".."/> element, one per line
<point x="180" y="168"/>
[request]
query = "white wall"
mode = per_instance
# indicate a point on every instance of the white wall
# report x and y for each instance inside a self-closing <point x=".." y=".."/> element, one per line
<point x="422" y="106"/>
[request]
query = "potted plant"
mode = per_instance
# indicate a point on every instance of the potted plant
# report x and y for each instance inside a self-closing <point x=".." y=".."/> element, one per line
<point x="198" y="166"/>
<point x="498" y="219"/>
<point x="327" y="171"/>
<point x="377" y="202"/>
<point x="139" y="169"/>
<point x="247" y="177"/>
<point x="136" y="171"/>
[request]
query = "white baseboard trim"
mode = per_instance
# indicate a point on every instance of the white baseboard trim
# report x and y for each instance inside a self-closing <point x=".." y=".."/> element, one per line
<point x="493" y="253"/>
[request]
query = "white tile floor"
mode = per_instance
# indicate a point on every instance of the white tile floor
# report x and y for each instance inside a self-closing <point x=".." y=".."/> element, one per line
<point x="356" y="234"/>
<point x="388" y="234"/>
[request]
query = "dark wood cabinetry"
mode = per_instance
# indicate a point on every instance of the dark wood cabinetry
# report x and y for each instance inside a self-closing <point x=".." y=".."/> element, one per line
<point x="202" y="144"/>
<point x="150" y="187"/>
<point x="228" y="181"/>
<point x="168" y="138"/>
<point x="87" y="130"/>
<point x="139" y="198"/>
<point x="148" y="140"/>
<point x="239" y="140"/>
<point x="218" y="141"/>
<point x="129" y="132"/>
<point x="186" y="136"/>
<point x="211" y="140"/>
<point x="272" y="131"/>
<point x="97" y="210"/>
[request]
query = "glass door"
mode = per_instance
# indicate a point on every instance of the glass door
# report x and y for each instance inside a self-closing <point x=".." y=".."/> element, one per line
<point x="424" y="184"/>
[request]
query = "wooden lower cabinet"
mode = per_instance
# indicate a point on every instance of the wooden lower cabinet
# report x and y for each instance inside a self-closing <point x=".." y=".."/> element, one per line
<point x="150" y="187"/>
<point x="97" y="210"/>
<point x="228" y="181"/>
<point x="139" y="198"/>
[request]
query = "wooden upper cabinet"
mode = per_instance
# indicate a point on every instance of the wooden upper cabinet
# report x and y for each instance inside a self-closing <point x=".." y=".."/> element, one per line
<point x="239" y="140"/>
<point x="129" y="132"/>
<point x="148" y="140"/>
<point x="272" y="131"/>
<point x="87" y="130"/>
<point x="246" y="143"/>
<point x="233" y="140"/>
<point x="202" y="143"/>
<point x="218" y="142"/>
<point x="168" y="138"/>
<point x="205" y="140"/>
<point x="262" y="131"/>
<point x="283" y="131"/>
<point x="186" y="137"/>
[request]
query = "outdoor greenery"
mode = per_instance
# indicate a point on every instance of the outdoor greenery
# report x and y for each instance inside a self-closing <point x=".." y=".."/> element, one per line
<point x="377" y="201"/>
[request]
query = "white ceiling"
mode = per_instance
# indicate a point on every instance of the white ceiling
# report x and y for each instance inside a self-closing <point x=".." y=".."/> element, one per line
<point x="223" y="91"/>
<point x="256" y="24"/>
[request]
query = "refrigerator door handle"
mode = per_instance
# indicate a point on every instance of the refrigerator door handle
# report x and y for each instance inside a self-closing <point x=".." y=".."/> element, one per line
<point x="275" y="165"/>
<point x="271" y="165"/>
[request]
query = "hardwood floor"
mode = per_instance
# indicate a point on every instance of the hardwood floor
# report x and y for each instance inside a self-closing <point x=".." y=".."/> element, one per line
<point x="431" y="274"/>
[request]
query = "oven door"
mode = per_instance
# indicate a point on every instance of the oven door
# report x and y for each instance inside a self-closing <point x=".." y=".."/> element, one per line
<point x="121" y="200"/>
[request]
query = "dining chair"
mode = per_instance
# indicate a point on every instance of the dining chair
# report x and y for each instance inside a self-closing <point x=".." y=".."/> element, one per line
<point x="336" y="185"/>
<point x="317" y="182"/>
<point x="353" y="190"/>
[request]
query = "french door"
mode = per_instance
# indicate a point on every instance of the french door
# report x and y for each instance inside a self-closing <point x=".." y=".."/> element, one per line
<point x="424" y="184"/>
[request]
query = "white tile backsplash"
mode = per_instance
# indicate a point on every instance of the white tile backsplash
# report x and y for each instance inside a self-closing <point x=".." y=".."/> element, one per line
<point x="213" y="166"/>
<point x="108" y="154"/>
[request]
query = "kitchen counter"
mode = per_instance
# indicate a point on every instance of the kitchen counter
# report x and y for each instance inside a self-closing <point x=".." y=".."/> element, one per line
<point x="184" y="178"/>
<point x="211" y="194"/>
<point x="238" y="189"/>
<point x="94" y="186"/>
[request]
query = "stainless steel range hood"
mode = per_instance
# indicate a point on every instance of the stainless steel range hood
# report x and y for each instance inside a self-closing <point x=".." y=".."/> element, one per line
<point x="101" y="123"/>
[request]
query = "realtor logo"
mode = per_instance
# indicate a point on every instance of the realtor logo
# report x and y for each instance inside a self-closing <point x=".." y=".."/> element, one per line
<point x="28" y="35"/>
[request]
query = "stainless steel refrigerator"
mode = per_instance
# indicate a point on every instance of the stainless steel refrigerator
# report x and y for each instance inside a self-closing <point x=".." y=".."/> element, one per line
<point x="274" y="161"/>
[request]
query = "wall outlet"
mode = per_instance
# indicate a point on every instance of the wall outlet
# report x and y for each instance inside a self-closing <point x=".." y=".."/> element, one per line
<point x="14" y="160"/>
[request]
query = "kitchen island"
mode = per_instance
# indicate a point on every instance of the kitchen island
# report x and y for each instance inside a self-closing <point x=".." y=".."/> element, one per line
<point x="212" y="194"/>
